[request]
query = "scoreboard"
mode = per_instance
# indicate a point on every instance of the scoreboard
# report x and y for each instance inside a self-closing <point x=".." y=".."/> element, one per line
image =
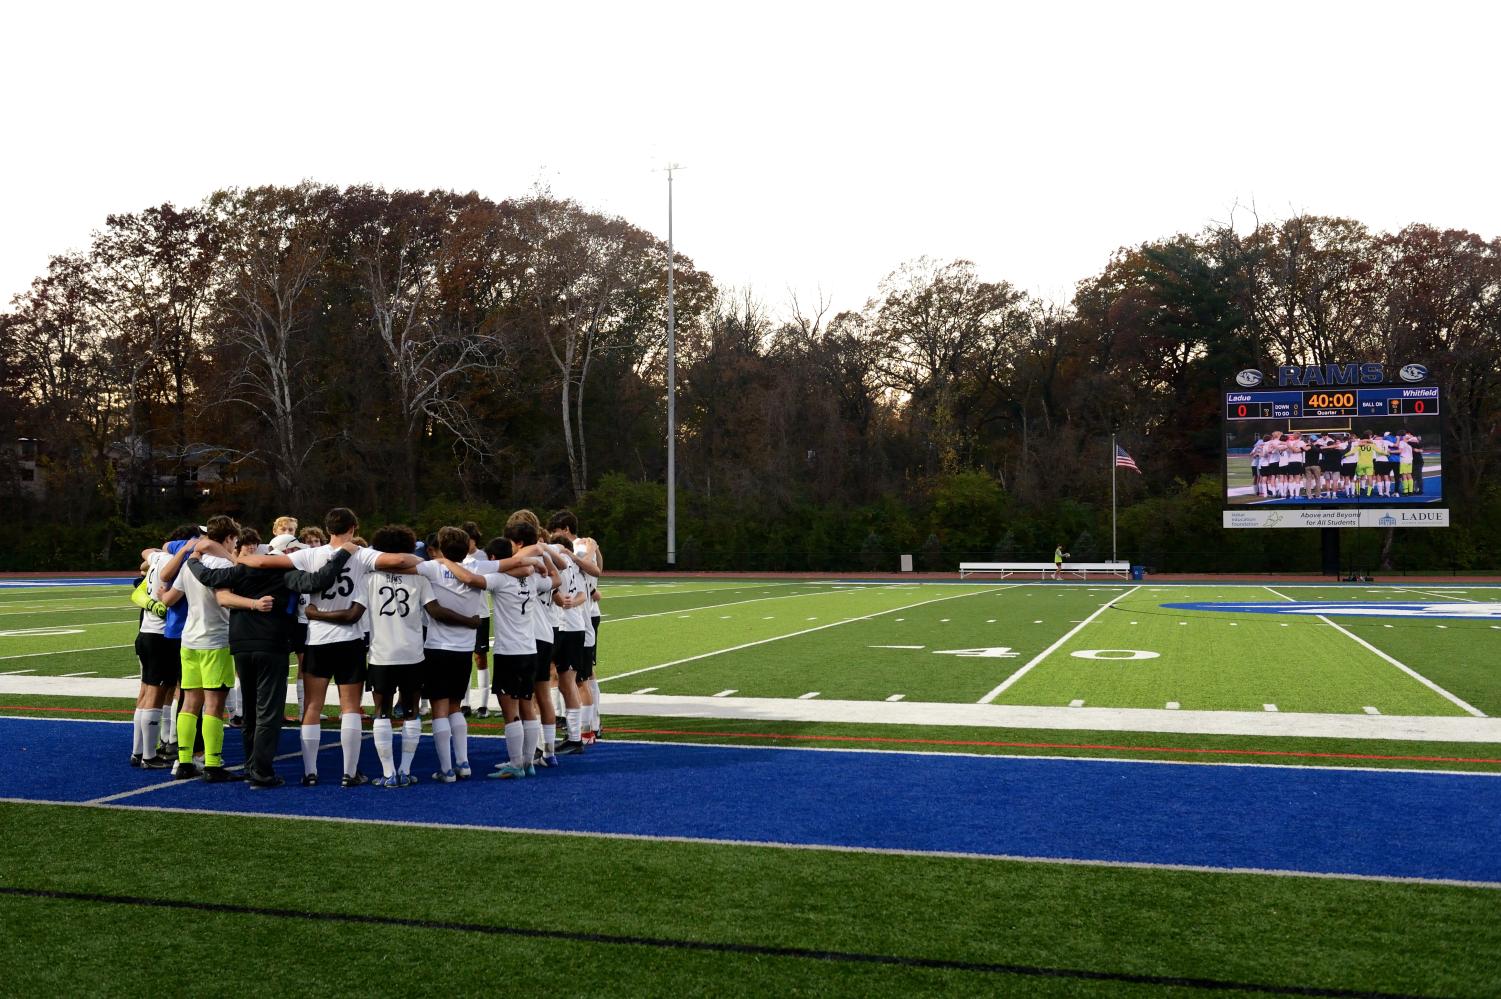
<point x="1283" y="404"/>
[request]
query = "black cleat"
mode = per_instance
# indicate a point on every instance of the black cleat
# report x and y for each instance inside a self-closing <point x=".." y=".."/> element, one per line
<point x="167" y="749"/>
<point x="309" y="780"/>
<point x="265" y="783"/>
<point x="156" y="763"/>
<point x="483" y="713"/>
<point x="135" y="760"/>
<point x="466" y="711"/>
<point x="219" y="775"/>
<point x="186" y="771"/>
<point x="237" y="721"/>
<point x="355" y="779"/>
<point x="570" y="748"/>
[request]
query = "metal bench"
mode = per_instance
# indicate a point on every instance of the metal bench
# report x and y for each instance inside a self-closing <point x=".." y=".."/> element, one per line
<point x="1079" y="569"/>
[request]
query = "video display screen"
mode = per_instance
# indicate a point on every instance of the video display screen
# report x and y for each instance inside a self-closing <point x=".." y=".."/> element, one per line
<point x="1340" y="446"/>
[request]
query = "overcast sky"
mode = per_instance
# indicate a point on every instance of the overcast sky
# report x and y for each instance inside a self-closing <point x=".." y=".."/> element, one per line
<point x="824" y="143"/>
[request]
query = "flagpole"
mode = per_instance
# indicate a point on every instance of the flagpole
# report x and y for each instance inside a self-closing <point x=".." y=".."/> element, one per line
<point x="1112" y="497"/>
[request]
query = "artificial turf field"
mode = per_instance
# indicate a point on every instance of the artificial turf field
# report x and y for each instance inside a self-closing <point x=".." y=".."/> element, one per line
<point x="655" y="874"/>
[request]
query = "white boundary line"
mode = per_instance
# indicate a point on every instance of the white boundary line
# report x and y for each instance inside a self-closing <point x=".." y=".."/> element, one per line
<point x="775" y="845"/>
<point x="999" y="690"/>
<point x="805" y="631"/>
<point x="668" y="591"/>
<point x="113" y="605"/>
<point x="732" y="603"/>
<point x="1440" y="691"/>
<point x="64" y="652"/>
<point x="1441" y="596"/>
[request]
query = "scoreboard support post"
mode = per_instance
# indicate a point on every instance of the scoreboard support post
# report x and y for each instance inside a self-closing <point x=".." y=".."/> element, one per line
<point x="1329" y="540"/>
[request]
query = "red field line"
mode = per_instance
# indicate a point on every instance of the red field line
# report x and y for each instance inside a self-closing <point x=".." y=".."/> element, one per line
<point x="891" y="740"/>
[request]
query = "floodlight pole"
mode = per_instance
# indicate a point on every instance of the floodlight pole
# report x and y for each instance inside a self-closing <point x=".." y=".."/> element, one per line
<point x="672" y="415"/>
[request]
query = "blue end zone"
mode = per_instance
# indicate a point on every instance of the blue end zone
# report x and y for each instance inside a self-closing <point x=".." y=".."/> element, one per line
<point x="1382" y="824"/>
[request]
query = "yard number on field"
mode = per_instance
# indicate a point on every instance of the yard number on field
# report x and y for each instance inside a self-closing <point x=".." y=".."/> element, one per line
<point x="1120" y="654"/>
<point x="1003" y="652"/>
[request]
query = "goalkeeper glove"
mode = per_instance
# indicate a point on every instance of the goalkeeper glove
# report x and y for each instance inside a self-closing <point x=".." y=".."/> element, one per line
<point x="158" y="608"/>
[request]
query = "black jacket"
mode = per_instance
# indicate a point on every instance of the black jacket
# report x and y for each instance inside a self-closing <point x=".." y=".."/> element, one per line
<point x="265" y="631"/>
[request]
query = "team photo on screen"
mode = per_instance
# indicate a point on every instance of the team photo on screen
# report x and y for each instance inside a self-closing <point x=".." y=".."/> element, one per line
<point x="1375" y="461"/>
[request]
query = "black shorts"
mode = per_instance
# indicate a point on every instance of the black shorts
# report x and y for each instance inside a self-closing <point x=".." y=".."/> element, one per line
<point x="1293" y="468"/>
<point x="445" y="674"/>
<point x="161" y="659"/>
<point x="568" y="650"/>
<point x="341" y="662"/>
<point x="542" y="672"/>
<point x="512" y="675"/>
<point x="1383" y="468"/>
<point x="299" y="636"/>
<point x="482" y="637"/>
<point x="388" y="679"/>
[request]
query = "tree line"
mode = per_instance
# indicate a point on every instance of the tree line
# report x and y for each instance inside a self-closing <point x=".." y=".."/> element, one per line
<point x="420" y="354"/>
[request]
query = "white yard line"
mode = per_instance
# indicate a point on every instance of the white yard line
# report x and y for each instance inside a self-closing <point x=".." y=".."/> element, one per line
<point x="1441" y="596"/>
<point x="1001" y="688"/>
<point x="685" y="611"/>
<point x="1463" y="705"/>
<point x="805" y="631"/>
<point x="26" y="612"/>
<point x="64" y="652"/>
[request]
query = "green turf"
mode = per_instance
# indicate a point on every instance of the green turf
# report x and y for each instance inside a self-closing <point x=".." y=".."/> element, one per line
<point x="1285" y="932"/>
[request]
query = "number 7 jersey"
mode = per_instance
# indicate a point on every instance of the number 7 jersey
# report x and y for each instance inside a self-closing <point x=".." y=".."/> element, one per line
<point x="396" y="603"/>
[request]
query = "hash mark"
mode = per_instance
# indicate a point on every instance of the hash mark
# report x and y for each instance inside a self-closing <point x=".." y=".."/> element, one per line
<point x="1370" y="710"/>
<point x="896" y="697"/>
<point x="725" y="693"/>
<point x="644" y="690"/>
<point x="1269" y="707"/>
<point x="808" y="696"/>
<point x="1076" y="703"/>
<point x="1172" y="705"/>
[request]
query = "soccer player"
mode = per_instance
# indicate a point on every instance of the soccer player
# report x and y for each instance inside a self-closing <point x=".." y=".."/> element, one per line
<point x="1404" y="462"/>
<point x="544" y="582"/>
<point x="570" y="621"/>
<point x="396" y="603"/>
<point x="335" y="650"/>
<point x="585" y="554"/>
<point x="1365" y="464"/>
<point x="260" y="602"/>
<point x="159" y="655"/>
<point x="1417" y="463"/>
<point x="1258" y="451"/>
<point x="515" y="652"/>
<point x="309" y="537"/>
<point x="207" y="668"/>
<point x="1347" y="458"/>
<point x="482" y="633"/>
<point x="1058" y="556"/>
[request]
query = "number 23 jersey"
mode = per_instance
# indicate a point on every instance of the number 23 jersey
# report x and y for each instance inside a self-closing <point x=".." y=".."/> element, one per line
<point x="395" y="602"/>
<point x="348" y="589"/>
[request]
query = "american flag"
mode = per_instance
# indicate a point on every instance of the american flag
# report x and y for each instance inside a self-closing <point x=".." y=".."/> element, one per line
<point x="1123" y="460"/>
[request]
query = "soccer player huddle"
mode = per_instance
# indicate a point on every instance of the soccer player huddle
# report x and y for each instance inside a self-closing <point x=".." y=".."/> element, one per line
<point x="401" y="618"/>
<point x="1337" y="465"/>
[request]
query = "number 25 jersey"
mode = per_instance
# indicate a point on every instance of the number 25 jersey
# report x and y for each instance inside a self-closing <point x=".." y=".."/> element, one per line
<point x="348" y="589"/>
<point x="396" y="603"/>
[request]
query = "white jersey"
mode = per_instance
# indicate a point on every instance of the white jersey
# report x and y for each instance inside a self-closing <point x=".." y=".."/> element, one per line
<point x="457" y="597"/>
<point x="1284" y="453"/>
<point x="515" y="608"/>
<point x="1256" y="452"/>
<point x="479" y="558"/>
<point x="150" y="623"/>
<point x="395" y="602"/>
<point x="541" y="584"/>
<point x="207" y="626"/>
<point x="341" y="594"/>
<point x="573" y="618"/>
<point x="1348" y="458"/>
<point x="1404" y="453"/>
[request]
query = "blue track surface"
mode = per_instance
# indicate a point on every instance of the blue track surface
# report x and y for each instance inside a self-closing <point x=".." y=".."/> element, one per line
<point x="1385" y="824"/>
<point x="32" y="584"/>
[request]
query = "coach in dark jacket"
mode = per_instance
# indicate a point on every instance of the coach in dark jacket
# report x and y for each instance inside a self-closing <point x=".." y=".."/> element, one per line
<point x="260" y="628"/>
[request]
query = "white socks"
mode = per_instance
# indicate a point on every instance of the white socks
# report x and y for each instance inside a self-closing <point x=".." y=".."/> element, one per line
<point x="411" y="734"/>
<point x="169" y="723"/>
<point x="310" y="749"/>
<point x="575" y="733"/>
<point x="550" y="738"/>
<point x="459" y="726"/>
<point x="515" y="740"/>
<point x="381" y="731"/>
<point x="150" y="730"/>
<point x="138" y="732"/>
<point x="349" y="740"/>
<point x="594" y="704"/>
<point x="442" y="736"/>
<point x="301" y="701"/>
<point x="484" y="688"/>
<point x="531" y="730"/>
